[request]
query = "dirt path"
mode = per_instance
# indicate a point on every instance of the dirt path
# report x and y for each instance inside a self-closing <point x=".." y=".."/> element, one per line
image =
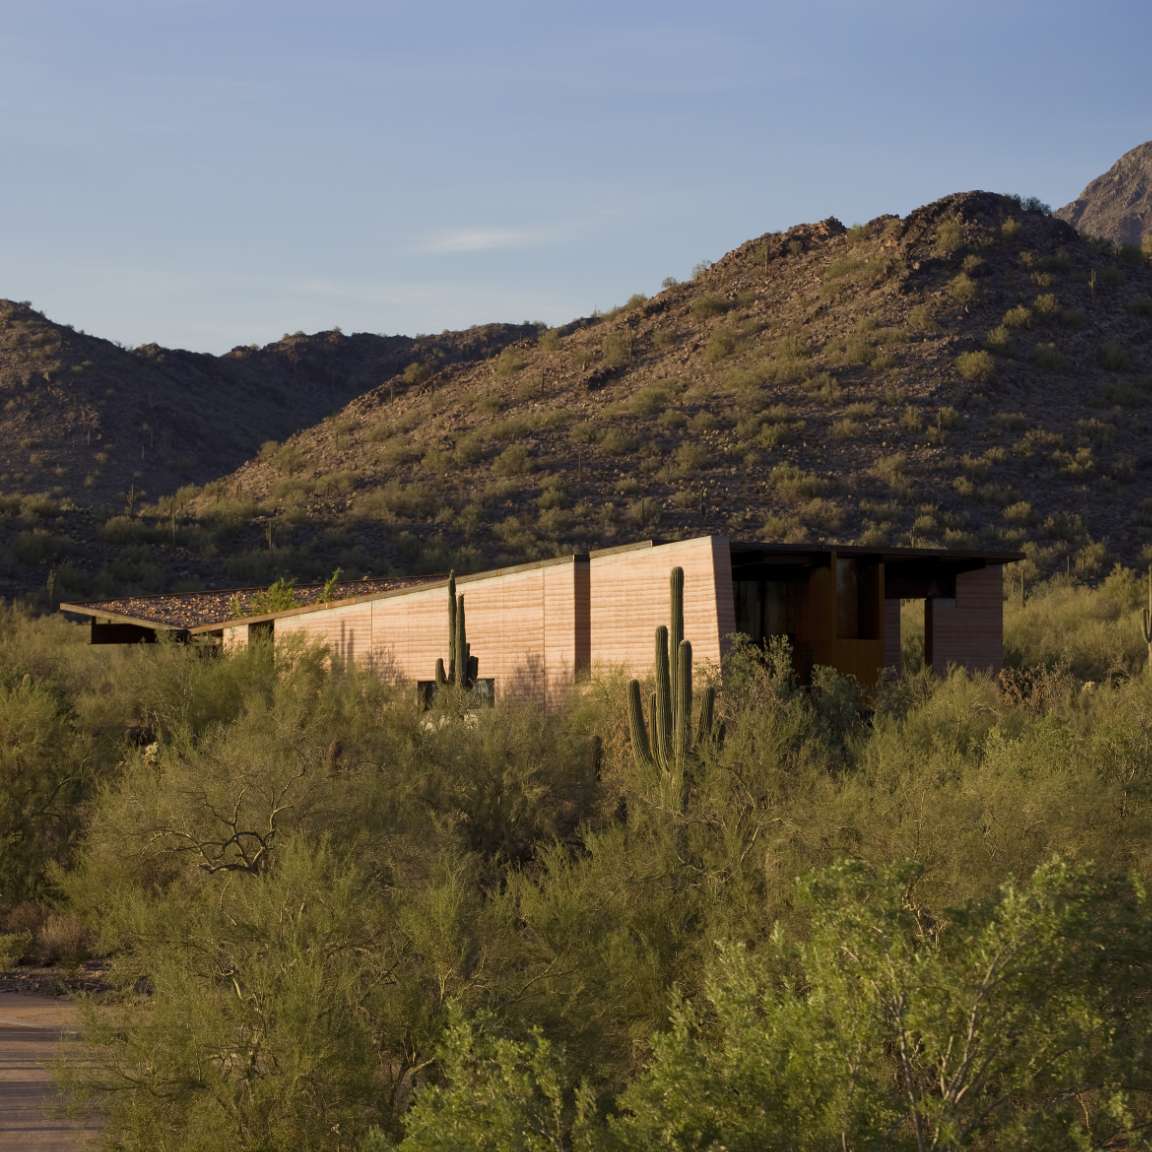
<point x="32" y="1030"/>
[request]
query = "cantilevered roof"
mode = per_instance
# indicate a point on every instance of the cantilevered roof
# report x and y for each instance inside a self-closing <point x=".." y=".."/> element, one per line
<point x="814" y="551"/>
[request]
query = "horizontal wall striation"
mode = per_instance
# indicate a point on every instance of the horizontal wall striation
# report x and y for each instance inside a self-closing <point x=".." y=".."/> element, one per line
<point x="968" y="631"/>
<point x="630" y="599"/>
<point x="522" y="627"/>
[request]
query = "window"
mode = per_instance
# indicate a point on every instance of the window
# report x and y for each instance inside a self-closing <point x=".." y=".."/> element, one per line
<point x="766" y="608"/>
<point x="484" y="690"/>
<point x="262" y="632"/>
<point x="857" y="598"/>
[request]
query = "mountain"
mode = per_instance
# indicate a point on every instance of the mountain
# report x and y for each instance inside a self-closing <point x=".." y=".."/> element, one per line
<point x="1118" y="205"/>
<point x="975" y="373"/>
<point x="86" y="422"/>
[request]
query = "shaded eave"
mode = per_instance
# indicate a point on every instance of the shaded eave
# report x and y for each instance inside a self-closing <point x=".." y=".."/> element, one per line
<point x="820" y="553"/>
<point x="104" y="615"/>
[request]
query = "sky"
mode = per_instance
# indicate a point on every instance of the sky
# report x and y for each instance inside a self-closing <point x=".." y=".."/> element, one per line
<point x="204" y="174"/>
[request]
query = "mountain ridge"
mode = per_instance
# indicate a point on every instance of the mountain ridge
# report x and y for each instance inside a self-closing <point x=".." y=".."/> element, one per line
<point x="974" y="374"/>
<point x="1117" y="205"/>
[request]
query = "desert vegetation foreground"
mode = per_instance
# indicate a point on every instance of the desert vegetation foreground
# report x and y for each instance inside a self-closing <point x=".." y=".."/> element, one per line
<point x="333" y="921"/>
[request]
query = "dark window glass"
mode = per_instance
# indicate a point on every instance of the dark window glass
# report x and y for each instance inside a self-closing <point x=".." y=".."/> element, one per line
<point x="857" y="598"/>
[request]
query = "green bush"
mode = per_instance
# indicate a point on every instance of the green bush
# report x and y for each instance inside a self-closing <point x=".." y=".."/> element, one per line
<point x="976" y="367"/>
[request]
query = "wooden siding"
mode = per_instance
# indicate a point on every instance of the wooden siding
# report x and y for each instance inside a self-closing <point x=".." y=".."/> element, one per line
<point x="968" y="631"/>
<point x="522" y="626"/>
<point x="630" y="599"/>
<point x="818" y="641"/>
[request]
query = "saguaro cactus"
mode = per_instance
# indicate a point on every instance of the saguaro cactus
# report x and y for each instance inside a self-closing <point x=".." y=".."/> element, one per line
<point x="463" y="668"/>
<point x="667" y="739"/>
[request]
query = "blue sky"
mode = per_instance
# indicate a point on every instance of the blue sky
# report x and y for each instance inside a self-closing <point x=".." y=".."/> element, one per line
<point x="205" y="174"/>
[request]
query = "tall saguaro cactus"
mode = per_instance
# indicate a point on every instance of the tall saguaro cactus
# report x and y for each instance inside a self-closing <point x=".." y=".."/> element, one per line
<point x="667" y="739"/>
<point x="463" y="667"/>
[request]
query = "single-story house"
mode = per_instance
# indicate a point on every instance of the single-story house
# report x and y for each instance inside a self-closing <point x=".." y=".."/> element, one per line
<point x="544" y="626"/>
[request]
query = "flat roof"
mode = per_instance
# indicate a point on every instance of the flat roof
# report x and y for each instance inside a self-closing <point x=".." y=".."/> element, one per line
<point x="192" y="611"/>
<point x="987" y="556"/>
<point x="197" y="612"/>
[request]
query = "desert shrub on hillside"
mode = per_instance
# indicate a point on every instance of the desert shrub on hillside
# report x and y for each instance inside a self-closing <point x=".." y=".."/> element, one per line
<point x="708" y="304"/>
<point x="977" y="367"/>
<point x="963" y="289"/>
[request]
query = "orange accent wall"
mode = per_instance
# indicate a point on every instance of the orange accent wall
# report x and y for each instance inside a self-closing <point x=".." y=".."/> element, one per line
<point x="818" y="640"/>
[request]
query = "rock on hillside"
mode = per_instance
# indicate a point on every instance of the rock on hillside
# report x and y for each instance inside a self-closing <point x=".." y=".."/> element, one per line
<point x="1118" y="205"/>
<point x="974" y="373"/>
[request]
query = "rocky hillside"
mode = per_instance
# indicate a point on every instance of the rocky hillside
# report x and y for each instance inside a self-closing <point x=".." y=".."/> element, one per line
<point x="84" y="422"/>
<point x="1118" y="205"/>
<point x="974" y="373"/>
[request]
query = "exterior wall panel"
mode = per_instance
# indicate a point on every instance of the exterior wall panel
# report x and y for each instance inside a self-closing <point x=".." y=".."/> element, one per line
<point x="522" y="627"/>
<point x="630" y="599"/>
<point x="968" y="631"/>
<point x="235" y="638"/>
<point x="346" y="631"/>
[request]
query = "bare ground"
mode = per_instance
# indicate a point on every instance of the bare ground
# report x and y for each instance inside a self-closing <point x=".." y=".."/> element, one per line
<point x="35" y="1031"/>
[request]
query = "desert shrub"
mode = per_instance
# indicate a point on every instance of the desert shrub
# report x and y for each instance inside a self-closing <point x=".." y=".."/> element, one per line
<point x="510" y="361"/>
<point x="963" y="289"/>
<point x="949" y="237"/>
<point x="708" y="304"/>
<point x="321" y="905"/>
<point x="999" y="339"/>
<point x="45" y="777"/>
<point x="819" y="1029"/>
<point x="790" y="483"/>
<point x="1093" y="632"/>
<point x="616" y="351"/>
<point x="977" y="367"/>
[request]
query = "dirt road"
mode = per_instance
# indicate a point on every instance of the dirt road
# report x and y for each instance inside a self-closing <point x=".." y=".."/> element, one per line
<point x="32" y="1030"/>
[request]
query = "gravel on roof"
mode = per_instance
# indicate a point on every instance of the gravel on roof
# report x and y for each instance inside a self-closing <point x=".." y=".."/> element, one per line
<point x="197" y="609"/>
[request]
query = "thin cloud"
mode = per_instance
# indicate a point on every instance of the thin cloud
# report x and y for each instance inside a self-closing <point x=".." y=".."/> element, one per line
<point x="486" y="239"/>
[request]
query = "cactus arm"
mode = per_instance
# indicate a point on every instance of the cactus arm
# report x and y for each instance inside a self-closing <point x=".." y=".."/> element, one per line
<point x="452" y="627"/>
<point x="682" y="735"/>
<point x="706" y="722"/>
<point x="641" y="749"/>
<point x="441" y="675"/>
<point x="461" y="646"/>
<point x="664" y="718"/>
<point x="676" y="623"/>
